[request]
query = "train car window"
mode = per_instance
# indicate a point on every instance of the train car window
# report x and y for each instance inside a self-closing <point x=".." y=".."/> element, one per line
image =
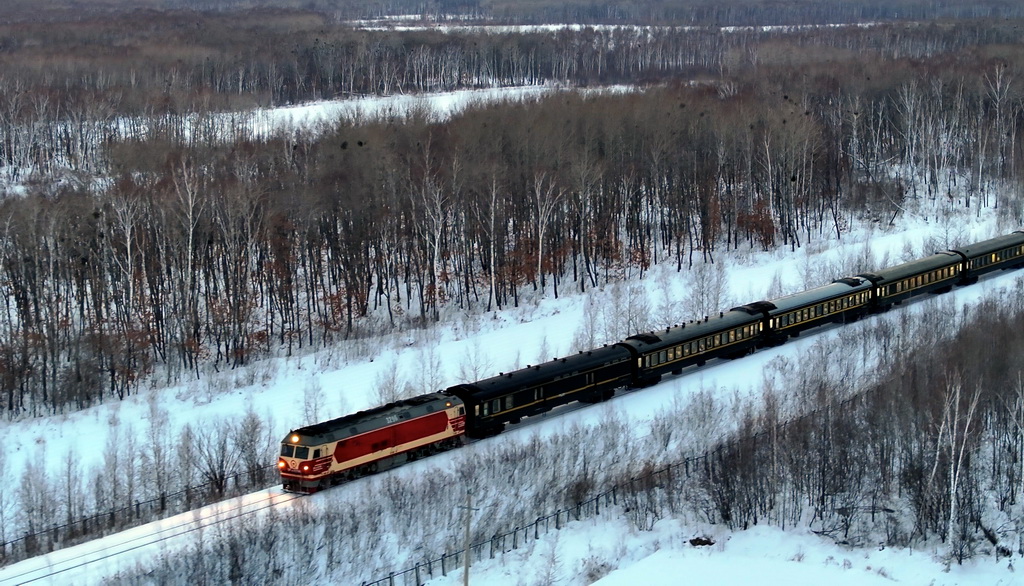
<point x="508" y="402"/>
<point x="664" y="356"/>
<point x="476" y="410"/>
<point x="487" y="410"/>
<point x="301" y="452"/>
<point x="287" y="450"/>
<point x="700" y="345"/>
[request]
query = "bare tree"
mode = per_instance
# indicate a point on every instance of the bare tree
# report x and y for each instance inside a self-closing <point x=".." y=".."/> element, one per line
<point x="388" y="384"/>
<point x="215" y="456"/>
<point x="546" y="197"/>
<point x="253" y="442"/>
<point x="475" y="364"/>
<point x="953" y="440"/>
<point x="706" y="295"/>
<point x="312" y="400"/>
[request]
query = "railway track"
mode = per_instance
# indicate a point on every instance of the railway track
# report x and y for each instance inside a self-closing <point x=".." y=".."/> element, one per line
<point x="63" y="566"/>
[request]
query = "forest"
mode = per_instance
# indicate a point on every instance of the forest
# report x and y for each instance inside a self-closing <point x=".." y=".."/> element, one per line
<point x="151" y="233"/>
<point x="165" y="243"/>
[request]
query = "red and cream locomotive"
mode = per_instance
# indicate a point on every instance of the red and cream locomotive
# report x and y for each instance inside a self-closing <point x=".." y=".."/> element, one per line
<point x="331" y="452"/>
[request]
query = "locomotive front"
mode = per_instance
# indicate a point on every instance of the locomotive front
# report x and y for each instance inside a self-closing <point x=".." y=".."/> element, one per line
<point x="331" y="452"/>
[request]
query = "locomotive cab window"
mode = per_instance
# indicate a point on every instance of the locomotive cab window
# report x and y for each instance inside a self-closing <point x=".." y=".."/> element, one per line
<point x="287" y="450"/>
<point x="316" y="453"/>
<point x="301" y="452"/>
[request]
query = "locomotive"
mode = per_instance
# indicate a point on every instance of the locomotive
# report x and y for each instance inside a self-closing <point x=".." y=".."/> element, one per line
<point x="327" y="453"/>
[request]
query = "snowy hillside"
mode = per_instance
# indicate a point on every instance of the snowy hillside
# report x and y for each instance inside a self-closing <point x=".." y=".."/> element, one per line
<point x="285" y="393"/>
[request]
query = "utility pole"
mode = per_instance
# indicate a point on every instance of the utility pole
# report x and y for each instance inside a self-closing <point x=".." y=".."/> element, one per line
<point x="465" y="547"/>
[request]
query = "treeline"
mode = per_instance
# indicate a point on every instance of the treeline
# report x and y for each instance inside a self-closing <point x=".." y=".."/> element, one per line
<point x="209" y="250"/>
<point x="153" y="63"/>
<point x="700" y="12"/>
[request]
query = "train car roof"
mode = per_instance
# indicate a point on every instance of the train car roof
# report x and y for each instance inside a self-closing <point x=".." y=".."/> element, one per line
<point x="659" y="339"/>
<point x="991" y="245"/>
<point x="833" y="290"/>
<point x="908" y="269"/>
<point x="540" y="374"/>
<point x="363" y="421"/>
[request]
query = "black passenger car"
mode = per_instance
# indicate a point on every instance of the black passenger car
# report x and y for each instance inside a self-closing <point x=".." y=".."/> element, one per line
<point x="589" y="376"/>
<point x="840" y="301"/>
<point x="730" y="334"/>
<point x="1001" y="252"/>
<point x="938" y="272"/>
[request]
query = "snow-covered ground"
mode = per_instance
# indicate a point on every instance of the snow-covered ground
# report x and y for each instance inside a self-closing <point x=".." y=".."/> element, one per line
<point x="466" y="346"/>
<point x="758" y="556"/>
<point x="418" y="23"/>
<point x="605" y="546"/>
<point x="313" y="117"/>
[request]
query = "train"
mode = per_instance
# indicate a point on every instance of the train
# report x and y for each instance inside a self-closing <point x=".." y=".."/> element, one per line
<point x="331" y="452"/>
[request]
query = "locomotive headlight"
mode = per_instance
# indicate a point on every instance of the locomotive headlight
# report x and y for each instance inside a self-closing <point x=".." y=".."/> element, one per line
<point x="281" y="464"/>
<point x="305" y="468"/>
<point x="295" y="439"/>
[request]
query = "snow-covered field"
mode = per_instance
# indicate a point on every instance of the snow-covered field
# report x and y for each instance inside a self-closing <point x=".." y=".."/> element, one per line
<point x="466" y="346"/>
<point x="758" y="556"/>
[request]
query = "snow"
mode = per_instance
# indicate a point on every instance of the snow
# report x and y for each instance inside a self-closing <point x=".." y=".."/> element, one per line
<point x="409" y="24"/>
<point x="760" y="555"/>
<point x="90" y="561"/>
<point x="467" y="345"/>
<point x="314" y="117"/>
